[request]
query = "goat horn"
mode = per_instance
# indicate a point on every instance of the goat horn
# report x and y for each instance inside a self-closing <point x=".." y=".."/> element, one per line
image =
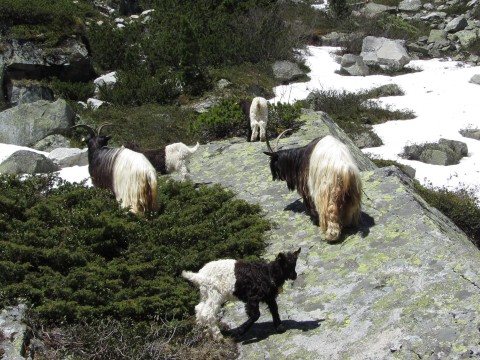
<point x="278" y="139"/>
<point x="102" y="126"/>
<point x="90" y="130"/>
<point x="268" y="144"/>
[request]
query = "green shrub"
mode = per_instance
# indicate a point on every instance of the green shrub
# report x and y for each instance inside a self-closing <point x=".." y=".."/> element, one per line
<point x="283" y="116"/>
<point x="150" y="125"/>
<point x="221" y="121"/>
<point x="354" y="111"/>
<point x="458" y="205"/>
<point x="74" y="91"/>
<point x="138" y="86"/>
<point x="226" y="120"/>
<point x="73" y="254"/>
<point x="44" y="20"/>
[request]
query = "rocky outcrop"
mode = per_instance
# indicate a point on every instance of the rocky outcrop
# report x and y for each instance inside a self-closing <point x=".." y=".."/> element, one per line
<point x="404" y="285"/>
<point x="13" y="333"/>
<point x="287" y="71"/>
<point x="27" y="124"/>
<point x="445" y="152"/>
<point x="475" y="79"/>
<point x="27" y="162"/>
<point x="353" y="65"/>
<point x="379" y="51"/>
<point x="28" y="92"/>
<point x="68" y="61"/>
<point x="471" y="133"/>
<point x="67" y="157"/>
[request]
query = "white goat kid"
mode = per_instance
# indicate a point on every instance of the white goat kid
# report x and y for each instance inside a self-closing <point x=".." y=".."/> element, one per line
<point x="258" y="118"/>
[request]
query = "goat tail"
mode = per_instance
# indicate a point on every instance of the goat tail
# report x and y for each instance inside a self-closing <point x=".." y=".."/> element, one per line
<point x="150" y="192"/>
<point x="195" y="278"/>
<point x="194" y="148"/>
<point x="351" y="195"/>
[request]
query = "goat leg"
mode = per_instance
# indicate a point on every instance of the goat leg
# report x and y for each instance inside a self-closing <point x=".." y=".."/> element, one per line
<point x="253" y="313"/>
<point x="277" y="323"/>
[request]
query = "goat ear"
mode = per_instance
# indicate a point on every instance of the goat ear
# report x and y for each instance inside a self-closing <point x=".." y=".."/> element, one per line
<point x="297" y="252"/>
<point x="273" y="155"/>
<point x="281" y="257"/>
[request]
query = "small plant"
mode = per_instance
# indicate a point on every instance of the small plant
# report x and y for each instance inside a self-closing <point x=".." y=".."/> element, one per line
<point x="138" y="86"/>
<point x="460" y="205"/>
<point x="74" y="91"/>
<point x="226" y="120"/>
<point x="354" y="111"/>
<point x="284" y="116"/>
<point x="221" y="121"/>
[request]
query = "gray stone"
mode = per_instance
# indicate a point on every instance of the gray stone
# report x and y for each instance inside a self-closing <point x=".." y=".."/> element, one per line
<point x="68" y="61"/>
<point x="417" y="48"/>
<point x="471" y="133"/>
<point x="367" y="139"/>
<point x="459" y="147"/>
<point x="384" y="52"/>
<point x="28" y="92"/>
<point x="107" y="81"/>
<point x="445" y="152"/>
<point x="334" y="38"/>
<point x="223" y="84"/>
<point x="27" y="124"/>
<point x="372" y="9"/>
<point x="52" y="142"/>
<point x="27" y="162"/>
<point x="475" y="79"/>
<point x="467" y="37"/>
<point x="286" y="71"/>
<point x="410" y="5"/>
<point x="438" y="15"/>
<point x="13" y="331"/>
<point x="436" y="35"/>
<point x="437" y="157"/>
<point x="457" y="24"/>
<point x="354" y="65"/>
<point x="67" y="157"/>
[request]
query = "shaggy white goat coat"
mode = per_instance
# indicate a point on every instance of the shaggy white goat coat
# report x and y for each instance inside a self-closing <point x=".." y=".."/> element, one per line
<point x="177" y="156"/>
<point x="335" y="186"/>
<point x="216" y="281"/>
<point x="136" y="189"/>
<point x="258" y="118"/>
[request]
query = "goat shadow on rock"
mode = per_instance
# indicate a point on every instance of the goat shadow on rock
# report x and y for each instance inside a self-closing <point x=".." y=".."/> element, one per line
<point x="363" y="228"/>
<point x="261" y="331"/>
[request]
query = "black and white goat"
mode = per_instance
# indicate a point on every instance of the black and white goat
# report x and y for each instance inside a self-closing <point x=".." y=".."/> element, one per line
<point x="127" y="173"/>
<point x="324" y="173"/>
<point x="256" y="113"/>
<point x="170" y="158"/>
<point x="250" y="282"/>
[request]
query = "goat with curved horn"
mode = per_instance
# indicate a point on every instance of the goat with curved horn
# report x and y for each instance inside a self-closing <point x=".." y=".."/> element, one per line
<point x="129" y="174"/>
<point x="324" y="173"/>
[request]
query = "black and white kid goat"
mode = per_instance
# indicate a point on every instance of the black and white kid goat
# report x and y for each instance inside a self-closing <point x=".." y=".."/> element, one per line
<point x="127" y="173"/>
<point x="324" y="173"/>
<point x="170" y="158"/>
<point x="250" y="282"/>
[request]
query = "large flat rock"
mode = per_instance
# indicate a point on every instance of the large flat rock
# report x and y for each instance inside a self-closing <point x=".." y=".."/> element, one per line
<point x="405" y="285"/>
